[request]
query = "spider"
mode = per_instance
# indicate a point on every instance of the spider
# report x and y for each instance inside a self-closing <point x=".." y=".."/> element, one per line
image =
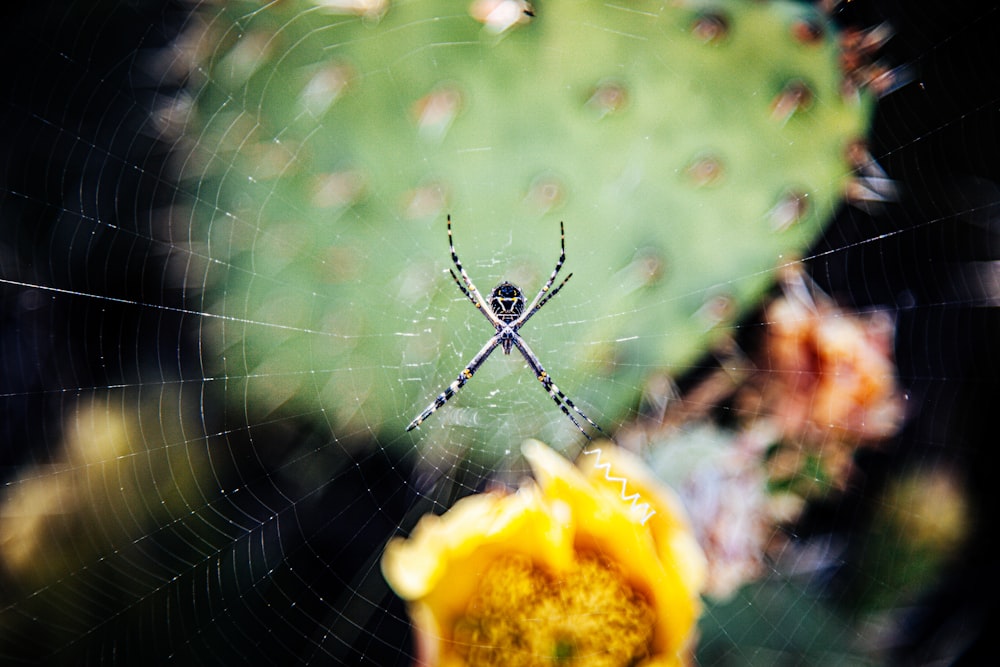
<point x="504" y="309"/>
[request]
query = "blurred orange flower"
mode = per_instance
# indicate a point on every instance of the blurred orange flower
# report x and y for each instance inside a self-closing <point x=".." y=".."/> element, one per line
<point x="571" y="568"/>
<point x="826" y="384"/>
<point x="830" y="371"/>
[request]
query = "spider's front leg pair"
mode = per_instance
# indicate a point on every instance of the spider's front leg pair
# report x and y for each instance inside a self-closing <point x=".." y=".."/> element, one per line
<point x="505" y="311"/>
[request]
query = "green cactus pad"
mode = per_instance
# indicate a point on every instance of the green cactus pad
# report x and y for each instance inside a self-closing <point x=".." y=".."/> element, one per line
<point x="690" y="148"/>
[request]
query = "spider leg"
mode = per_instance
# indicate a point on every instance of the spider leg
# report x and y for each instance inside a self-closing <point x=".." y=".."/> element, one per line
<point x="462" y="287"/>
<point x="541" y="303"/>
<point x="561" y="399"/>
<point x="485" y="311"/>
<point x="459" y="382"/>
<point x="538" y="301"/>
<point x="469" y="289"/>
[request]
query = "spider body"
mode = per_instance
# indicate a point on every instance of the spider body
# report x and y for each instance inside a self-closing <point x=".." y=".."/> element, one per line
<point x="505" y="311"/>
<point x="507" y="302"/>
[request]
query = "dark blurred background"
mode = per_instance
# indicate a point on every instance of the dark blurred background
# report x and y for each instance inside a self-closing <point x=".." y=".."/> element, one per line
<point x="87" y="303"/>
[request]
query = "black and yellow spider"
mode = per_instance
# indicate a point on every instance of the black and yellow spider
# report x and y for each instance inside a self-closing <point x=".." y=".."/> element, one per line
<point x="504" y="309"/>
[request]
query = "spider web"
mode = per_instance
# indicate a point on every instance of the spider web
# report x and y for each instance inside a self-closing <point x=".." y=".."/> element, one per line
<point x="217" y="534"/>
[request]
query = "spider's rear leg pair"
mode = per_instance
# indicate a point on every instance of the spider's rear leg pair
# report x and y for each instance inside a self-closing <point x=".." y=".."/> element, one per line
<point x="505" y="311"/>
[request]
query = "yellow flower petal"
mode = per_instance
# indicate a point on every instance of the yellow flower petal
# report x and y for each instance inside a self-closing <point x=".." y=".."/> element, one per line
<point x="660" y="548"/>
<point x="551" y="533"/>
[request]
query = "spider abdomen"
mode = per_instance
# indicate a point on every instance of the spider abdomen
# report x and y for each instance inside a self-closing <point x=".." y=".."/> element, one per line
<point x="507" y="302"/>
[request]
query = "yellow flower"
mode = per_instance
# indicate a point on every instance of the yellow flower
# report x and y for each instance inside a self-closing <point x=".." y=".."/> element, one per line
<point x="572" y="569"/>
